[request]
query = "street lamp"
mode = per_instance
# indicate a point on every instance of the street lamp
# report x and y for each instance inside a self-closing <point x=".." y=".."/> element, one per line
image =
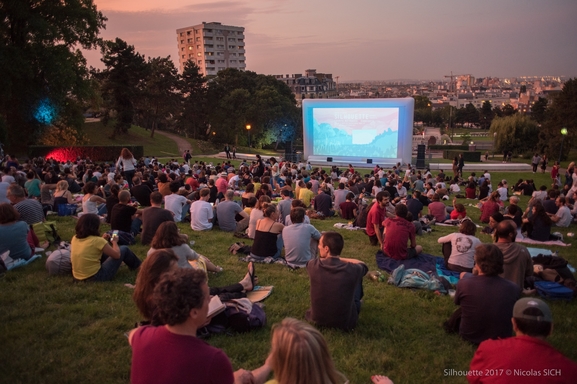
<point x="248" y="131"/>
<point x="563" y="134"/>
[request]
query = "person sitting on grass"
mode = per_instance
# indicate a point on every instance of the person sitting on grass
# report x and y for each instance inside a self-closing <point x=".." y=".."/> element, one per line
<point x="459" y="212"/>
<point x="30" y="210"/>
<point x="336" y="285"/>
<point x="125" y="218"/>
<point x="96" y="258"/>
<point x="463" y="244"/>
<point x="300" y="239"/>
<point x="267" y="238"/>
<point x="172" y="353"/>
<point x="538" y="226"/>
<point x="527" y="351"/>
<point x="15" y="235"/>
<point x="348" y="209"/>
<point x="398" y="232"/>
<point x="492" y="205"/>
<point x="485" y="300"/>
<point x="168" y="236"/>
<point x="437" y="209"/>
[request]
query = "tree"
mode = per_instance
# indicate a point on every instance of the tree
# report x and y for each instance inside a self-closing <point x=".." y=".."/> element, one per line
<point x="561" y="114"/>
<point x="193" y="119"/>
<point x="42" y="68"/>
<point x="124" y="74"/>
<point x="160" y="95"/>
<point x="539" y="110"/>
<point x="517" y="133"/>
<point x="486" y="113"/>
<point x="509" y="110"/>
<point x="423" y="110"/>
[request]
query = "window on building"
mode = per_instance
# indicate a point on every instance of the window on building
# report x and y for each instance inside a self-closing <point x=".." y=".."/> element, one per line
<point x="220" y="46"/>
<point x="232" y="61"/>
<point x="199" y="62"/>
<point x="209" y="53"/>
<point x="231" y="39"/>
<point x="208" y="46"/>
<point x="184" y="56"/>
<point x="182" y="49"/>
<point x="198" y="39"/>
<point x="208" y="30"/>
<point x="181" y="41"/>
<point x="220" y="61"/>
<point x="190" y="48"/>
<point x="208" y="38"/>
<point x="240" y="40"/>
<point x="232" y="47"/>
<point x="221" y="68"/>
<point x="190" y="55"/>
<point x="189" y="41"/>
<point x="220" y="39"/>
<point x="233" y="54"/>
<point x="241" y="61"/>
<point x="181" y="33"/>
<point x="188" y="33"/>
<point x="199" y="54"/>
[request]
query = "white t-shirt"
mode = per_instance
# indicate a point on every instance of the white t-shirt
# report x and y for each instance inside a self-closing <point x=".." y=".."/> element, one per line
<point x="502" y="193"/>
<point x="462" y="248"/>
<point x="565" y="217"/>
<point x="201" y="215"/>
<point x="174" y="204"/>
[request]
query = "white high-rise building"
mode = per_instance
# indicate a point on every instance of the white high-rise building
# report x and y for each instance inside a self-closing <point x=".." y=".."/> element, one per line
<point x="212" y="46"/>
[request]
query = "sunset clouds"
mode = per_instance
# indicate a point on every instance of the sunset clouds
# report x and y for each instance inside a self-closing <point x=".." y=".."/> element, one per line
<point x="367" y="39"/>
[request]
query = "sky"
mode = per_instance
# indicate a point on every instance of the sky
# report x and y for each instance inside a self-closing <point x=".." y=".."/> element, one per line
<point x="367" y="39"/>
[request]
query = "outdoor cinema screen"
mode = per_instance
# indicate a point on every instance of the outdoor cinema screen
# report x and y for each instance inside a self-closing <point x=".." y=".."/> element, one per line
<point x="368" y="129"/>
<point x="372" y="132"/>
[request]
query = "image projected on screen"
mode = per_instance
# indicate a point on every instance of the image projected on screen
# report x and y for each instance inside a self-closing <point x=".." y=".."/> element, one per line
<point x="367" y="132"/>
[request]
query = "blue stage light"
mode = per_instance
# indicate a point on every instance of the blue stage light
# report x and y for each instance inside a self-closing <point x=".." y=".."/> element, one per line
<point x="45" y="112"/>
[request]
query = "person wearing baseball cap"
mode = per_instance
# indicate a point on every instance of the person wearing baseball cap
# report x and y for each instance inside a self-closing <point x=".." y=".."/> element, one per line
<point x="527" y="357"/>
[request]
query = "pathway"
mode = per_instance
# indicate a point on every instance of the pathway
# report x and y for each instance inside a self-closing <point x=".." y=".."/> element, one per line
<point x="182" y="143"/>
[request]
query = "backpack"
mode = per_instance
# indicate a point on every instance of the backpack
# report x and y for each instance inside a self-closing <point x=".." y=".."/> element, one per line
<point x="553" y="291"/>
<point x="361" y="219"/>
<point x="415" y="278"/>
<point x="237" y="318"/>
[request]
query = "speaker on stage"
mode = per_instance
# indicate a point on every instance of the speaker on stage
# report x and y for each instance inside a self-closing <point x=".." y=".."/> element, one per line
<point x="329" y="159"/>
<point x="421" y="156"/>
<point x="369" y="161"/>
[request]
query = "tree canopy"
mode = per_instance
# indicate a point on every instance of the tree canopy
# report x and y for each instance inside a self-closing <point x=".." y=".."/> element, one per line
<point x="44" y="75"/>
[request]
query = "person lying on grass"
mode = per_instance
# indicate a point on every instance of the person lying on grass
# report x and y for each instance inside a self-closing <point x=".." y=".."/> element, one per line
<point x="163" y="261"/>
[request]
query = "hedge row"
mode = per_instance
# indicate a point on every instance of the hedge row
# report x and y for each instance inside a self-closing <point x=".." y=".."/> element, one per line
<point x="468" y="156"/>
<point x="449" y="147"/>
<point x="95" y="153"/>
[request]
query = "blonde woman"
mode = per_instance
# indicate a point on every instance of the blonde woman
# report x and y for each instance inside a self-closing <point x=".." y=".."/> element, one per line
<point x="62" y="195"/>
<point x="299" y="355"/>
<point x="267" y="239"/>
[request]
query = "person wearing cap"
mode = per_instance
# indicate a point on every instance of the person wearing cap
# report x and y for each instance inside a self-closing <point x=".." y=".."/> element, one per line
<point x="527" y="357"/>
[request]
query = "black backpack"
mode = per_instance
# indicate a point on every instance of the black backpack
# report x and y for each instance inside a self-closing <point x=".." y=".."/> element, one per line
<point x="361" y="219"/>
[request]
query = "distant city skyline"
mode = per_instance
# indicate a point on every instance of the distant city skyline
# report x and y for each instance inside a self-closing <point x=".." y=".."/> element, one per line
<point x="368" y="40"/>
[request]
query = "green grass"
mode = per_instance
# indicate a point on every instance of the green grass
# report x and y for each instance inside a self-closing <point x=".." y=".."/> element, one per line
<point x="159" y="145"/>
<point x="52" y="330"/>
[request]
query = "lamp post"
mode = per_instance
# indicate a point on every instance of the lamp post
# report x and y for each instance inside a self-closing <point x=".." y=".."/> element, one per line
<point x="563" y="134"/>
<point x="248" y="132"/>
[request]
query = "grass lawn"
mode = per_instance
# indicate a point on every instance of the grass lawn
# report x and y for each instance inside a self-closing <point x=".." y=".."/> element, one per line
<point x="157" y="146"/>
<point x="52" y="330"/>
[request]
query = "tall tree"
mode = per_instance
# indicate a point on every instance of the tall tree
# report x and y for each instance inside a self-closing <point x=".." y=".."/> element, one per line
<point x="122" y="78"/>
<point x="193" y="118"/>
<point x="486" y="113"/>
<point x="539" y="110"/>
<point x="42" y="69"/>
<point x="160" y="98"/>
<point x="509" y="110"/>
<point x="561" y="114"/>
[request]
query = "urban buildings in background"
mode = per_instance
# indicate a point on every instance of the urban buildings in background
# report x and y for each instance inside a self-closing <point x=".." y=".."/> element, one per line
<point x="312" y="85"/>
<point x="459" y="90"/>
<point x="212" y="46"/>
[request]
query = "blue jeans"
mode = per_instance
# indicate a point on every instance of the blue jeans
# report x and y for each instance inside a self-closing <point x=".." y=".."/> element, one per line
<point x="109" y="266"/>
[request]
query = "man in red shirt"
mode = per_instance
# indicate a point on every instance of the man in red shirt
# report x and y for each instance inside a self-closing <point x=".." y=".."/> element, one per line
<point x="397" y="233"/>
<point x="524" y="358"/>
<point x="375" y="217"/>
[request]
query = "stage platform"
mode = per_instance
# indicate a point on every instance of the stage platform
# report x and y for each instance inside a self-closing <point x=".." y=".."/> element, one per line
<point x="489" y="166"/>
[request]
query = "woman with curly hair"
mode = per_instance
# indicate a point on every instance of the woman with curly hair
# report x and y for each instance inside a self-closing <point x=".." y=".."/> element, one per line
<point x="127" y="163"/>
<point x="538" y="226"/>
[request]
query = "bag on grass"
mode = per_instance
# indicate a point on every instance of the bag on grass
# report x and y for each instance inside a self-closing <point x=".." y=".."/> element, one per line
<point x="415" y="278"/>
<point x="67" y="209"/>
<point x="240" y="316"/>
<point x="553" y="291"/>
<point x="46" y="231"/>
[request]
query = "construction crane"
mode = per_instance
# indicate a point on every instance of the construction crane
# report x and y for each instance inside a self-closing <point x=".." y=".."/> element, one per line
<point x="452" y="88"/>
<point x="453" y="83"/>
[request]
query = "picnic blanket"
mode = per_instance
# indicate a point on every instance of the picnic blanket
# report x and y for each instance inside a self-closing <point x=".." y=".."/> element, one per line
<point x="11" y="264"/>
<point x="521" y="239"/>
<point x="425" y="262"/>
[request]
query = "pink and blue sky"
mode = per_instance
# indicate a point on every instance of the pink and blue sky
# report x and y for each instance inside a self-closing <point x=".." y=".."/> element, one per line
<point x="367" y="39"/>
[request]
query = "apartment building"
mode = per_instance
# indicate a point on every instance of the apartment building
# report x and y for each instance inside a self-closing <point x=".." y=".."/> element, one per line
<point x="212" y="46"/>
<point x="312" y="85"/>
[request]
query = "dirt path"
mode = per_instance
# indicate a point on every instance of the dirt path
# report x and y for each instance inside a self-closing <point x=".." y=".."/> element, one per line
<point x="182" y="144"/>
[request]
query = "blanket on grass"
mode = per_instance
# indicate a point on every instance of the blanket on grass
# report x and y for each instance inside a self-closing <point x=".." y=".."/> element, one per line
<point x="11" y="264"/>
<point x="521" y="239"/>
<point x="425" y="262"/>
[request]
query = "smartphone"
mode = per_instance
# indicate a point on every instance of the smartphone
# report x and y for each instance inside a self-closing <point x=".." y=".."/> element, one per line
<point x="115" y="234"/>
